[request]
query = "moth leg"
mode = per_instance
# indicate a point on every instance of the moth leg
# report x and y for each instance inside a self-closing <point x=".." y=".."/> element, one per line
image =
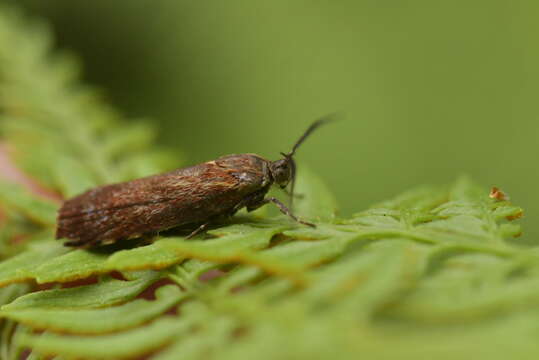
<point x="281" y="207"/>
<point x="148" y="238"/>
<point x="198" y="230"/>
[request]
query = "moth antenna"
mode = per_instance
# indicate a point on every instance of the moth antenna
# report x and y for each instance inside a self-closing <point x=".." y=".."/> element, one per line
<point x="323" y="120"/>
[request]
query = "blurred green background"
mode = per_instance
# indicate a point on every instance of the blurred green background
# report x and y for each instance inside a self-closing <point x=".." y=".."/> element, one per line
<point x="430" y="89"/>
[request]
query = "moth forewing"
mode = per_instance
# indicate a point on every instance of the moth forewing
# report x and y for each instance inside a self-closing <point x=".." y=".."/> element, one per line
<point x="186" y="196"/>
<point x="194" y="196"/>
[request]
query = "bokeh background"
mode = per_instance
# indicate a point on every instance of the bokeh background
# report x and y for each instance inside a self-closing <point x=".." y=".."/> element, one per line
<point x="430" y="89"/>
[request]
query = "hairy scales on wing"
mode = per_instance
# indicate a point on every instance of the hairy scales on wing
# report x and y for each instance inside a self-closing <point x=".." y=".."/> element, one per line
<point x="162" y="201"/>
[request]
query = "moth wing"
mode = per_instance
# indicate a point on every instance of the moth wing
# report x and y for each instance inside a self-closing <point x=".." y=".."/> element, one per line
<point x="154" y="203"/>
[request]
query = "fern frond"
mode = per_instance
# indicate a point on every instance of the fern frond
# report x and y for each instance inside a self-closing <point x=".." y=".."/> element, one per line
<point x="427" y="274"/>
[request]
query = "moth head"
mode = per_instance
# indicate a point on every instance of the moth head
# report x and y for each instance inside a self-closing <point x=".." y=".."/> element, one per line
<point x="283" y="171"/>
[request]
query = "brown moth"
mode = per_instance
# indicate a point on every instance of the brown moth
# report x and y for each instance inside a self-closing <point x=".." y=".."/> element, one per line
<point x="196" y="195"/>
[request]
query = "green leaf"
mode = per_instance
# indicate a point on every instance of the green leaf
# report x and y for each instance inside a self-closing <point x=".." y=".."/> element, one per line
<point x="210" y="339"/>
<point x="96" y="321"/>
<point x="14" y="197"/>
<point x="72" y="176"/>
<point x="20" y="267"/>
<point x="75" y="265"/>
<point x="232" y="244"/>
<point x="316" y="202"/>
<point x="106" y="293"/>
<point x="127" y="344"/>
<point x="435" y="272"/>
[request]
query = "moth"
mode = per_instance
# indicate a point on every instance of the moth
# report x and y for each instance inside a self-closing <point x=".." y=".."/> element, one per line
<point x="195" y="196"/>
